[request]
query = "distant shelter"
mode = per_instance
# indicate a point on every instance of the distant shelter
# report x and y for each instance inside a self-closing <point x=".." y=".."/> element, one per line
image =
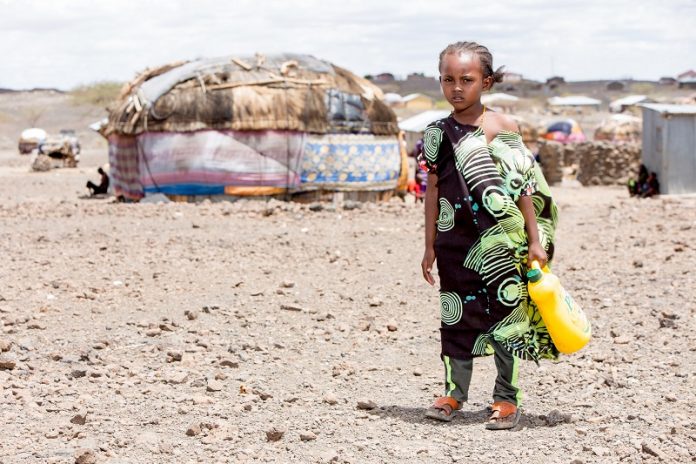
<point x="576" y="103"/>
<point x="669" y="145"/>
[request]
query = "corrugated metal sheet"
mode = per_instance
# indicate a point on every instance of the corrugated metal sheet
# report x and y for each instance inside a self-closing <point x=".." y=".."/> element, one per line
<point x="670" y="109"/>
<point x="574" y="100"/>
<point x="669" y="146"/>
<point x="419" y="122"/>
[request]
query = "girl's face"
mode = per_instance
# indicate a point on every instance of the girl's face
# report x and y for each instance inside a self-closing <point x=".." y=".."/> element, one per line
<point x="462" y="80"/>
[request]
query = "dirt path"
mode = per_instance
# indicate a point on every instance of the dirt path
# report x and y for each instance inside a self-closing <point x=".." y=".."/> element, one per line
<point x="227" y="320"/>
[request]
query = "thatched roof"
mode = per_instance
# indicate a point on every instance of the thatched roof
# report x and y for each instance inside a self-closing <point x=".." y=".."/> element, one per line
<point x="279" y="92"/>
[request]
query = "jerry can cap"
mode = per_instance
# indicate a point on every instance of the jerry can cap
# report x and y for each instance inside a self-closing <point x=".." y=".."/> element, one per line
<point x="534" y="275"/>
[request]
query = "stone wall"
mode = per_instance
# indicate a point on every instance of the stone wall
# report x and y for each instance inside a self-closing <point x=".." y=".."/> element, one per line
<point x="592" y="163"/>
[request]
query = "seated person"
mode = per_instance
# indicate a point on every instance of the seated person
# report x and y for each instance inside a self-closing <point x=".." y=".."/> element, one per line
<point x="103" y="186"/>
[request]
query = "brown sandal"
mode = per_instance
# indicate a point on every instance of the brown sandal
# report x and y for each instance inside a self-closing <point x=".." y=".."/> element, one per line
<point x="505" y="416"/>
<point x="443" y="409"/>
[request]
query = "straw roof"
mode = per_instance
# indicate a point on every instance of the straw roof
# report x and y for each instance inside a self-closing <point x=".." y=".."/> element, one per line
<point x="274" y="92"/>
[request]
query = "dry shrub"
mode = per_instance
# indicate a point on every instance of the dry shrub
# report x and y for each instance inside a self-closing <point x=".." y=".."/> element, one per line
<point x="98" y="93"/>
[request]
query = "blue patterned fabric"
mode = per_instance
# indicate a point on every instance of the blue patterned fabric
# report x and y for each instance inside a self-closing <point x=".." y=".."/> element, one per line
<point x="350" y="161"/>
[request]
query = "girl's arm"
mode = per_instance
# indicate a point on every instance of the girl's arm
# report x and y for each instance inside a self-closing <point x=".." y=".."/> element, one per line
<point x="536" y="251"/>
<point x="431" y="212"/>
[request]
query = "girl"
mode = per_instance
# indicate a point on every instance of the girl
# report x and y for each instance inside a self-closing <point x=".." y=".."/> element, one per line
<point x="488" y="215"/>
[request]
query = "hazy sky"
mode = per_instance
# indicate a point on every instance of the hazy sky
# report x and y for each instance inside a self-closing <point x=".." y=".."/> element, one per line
<point x="61" y="43"/>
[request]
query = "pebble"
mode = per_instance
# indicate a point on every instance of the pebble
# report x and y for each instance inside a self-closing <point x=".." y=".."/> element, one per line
<point x="214" y="385"/>
<point x="80" y="418"/>
<point x="177" y="377"/>
<point x="7" y="362"/>
<point x="330" y="398"/>
<point x="308" y="436"/>
<point x="367" y="405"/>
<point x="5" y="345"/>
<point x="153" y="332"/>
<point x="274" y="434"/>
<point x="651" y="449"/>
<point x="85" y="456"/>
<point x="193" y="429"/>
<point x="191" y="315"/>
<point x="229" y="363"/>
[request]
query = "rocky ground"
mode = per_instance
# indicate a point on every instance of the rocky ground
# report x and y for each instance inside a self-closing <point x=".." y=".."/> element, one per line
<point x="271" y="332"/>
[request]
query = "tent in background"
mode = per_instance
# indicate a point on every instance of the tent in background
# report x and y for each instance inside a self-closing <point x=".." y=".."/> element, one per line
<point x="565" y="131"/>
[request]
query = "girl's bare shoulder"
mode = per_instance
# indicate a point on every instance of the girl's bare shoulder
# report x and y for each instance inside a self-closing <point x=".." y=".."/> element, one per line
<point x="494" y="123"/>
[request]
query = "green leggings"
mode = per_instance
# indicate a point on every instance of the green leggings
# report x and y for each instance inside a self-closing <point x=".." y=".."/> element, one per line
<point x="458" y="376"/>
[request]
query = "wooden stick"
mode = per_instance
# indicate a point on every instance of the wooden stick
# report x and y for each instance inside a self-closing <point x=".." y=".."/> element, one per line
<point x="241" y="64"/>
<point x="267" y="82"/>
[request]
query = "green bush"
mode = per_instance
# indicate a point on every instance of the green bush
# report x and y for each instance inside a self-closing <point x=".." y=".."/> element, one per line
<point x="98" y="93"/>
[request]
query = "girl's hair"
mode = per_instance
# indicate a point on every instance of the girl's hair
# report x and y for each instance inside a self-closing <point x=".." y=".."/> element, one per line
<point x="484" y="56"/>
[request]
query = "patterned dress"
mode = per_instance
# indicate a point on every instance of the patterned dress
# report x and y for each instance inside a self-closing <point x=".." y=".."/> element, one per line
<point x="481" y="242"/>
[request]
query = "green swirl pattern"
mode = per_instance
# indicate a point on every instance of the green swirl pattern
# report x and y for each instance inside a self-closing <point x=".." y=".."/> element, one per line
<point x="445" y="220"/>
<point x="432" y="138"/>
<point x="450" y="307"/>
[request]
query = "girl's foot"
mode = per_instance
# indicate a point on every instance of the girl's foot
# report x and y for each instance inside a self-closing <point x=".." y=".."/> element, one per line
<point x="505" y="416"/>
<point x="443" y="409"/>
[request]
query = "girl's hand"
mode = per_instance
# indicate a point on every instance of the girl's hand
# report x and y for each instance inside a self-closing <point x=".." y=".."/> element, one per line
<point x="537" y="253"/>
<point x="427" y="265"/>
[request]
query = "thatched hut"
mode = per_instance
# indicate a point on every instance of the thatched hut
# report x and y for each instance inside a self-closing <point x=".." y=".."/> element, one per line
<point x="262" y="125"/>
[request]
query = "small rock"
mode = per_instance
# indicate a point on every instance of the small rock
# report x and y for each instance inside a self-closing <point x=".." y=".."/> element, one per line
<point x="214" y="385"/>
<point x="417" y="372"/>
<point x="392" y="328"/>
<point x="153" y="332"/>
<point x="308" y="436"/>
<point x="202" y="399"/>
<point x="173" y="356"/>
<point x="193" y="429"/>
<point x="7" y="362"/>
<point x="330" y="398"/>
<point x="191" y="315"/>
<point x="229" y="363"/>
<point x="85" y="456"/>
<point x="600" y="451"/>
<point x="623" y="340"/>
<point x="80" y="418"/>
<point x="274" y="434"/>
<point x="367" y="405"/>
<point x="5" y="345"/>
<point x="651" y="449"/>
<point x="555" y="417"/>
<point x="288" y="307"/>
<point x="375" y="302"/>
<point x="287" y="284"/>
<point x="78" y="373"/>
<point x="176" y="378"/>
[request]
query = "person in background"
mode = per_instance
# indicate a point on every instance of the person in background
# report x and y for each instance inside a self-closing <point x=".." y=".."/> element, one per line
<point x="635" y="186"/>
<point x="651" y="186"/>
<point x="103" y="186"/>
